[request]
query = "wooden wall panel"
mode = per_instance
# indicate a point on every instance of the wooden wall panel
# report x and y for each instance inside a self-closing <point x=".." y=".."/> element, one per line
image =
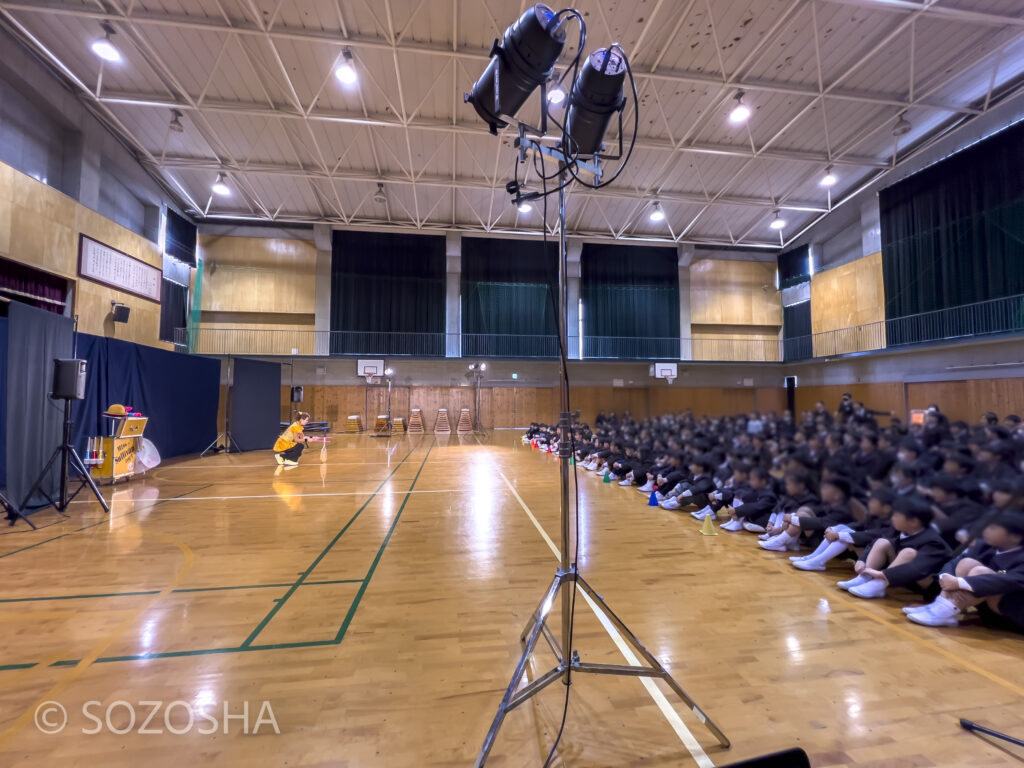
<point x="850" y="296"/>
<point x="742" y="343"/>
<point x="969" y="400"/>
<point x="767" y="399"/>
<point x="257" y="274"/>
<point x="734" y="293"/>
<point x="39" y="226"/>
<point x="503" y="405"/>
<point x="709" y="401"/>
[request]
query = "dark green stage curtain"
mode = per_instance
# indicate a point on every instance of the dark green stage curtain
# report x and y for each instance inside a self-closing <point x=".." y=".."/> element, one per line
<point x="387" y="294"/>
<point x="952" y="235"/>
<point x="630" y="301"/>
<point x="794" y="267"/>
<point x="796" y="332"/>
<point x="509" y="288"/>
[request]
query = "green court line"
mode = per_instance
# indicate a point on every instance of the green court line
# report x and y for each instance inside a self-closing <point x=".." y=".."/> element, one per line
<point x="101" y="522"/>
<point x="380" y="553"/>
<point x="173" y="591"/>
<point x="305" y="574"/>
<point x="11" y="667"/>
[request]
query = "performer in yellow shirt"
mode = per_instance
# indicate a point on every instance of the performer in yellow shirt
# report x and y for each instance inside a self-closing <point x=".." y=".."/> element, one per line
<point x="292" y="442"/>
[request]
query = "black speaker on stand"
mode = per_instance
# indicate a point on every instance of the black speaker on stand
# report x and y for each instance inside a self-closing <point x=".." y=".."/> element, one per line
<point x="68" y="384"/>
<point x="790" y="382"/>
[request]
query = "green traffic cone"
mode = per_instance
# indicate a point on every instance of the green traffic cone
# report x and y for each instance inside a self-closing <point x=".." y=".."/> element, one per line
<point x="607" y="477"/>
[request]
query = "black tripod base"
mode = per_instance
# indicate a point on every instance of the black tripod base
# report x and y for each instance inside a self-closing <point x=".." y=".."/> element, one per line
<point x="67" y="458"/>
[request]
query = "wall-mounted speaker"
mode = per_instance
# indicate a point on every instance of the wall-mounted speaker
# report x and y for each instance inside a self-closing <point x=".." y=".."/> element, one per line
<point x="68" y="380"/>
<point x="296" y="394"/>
<point x="120" y="312"/>
<point x="790" y="382"/>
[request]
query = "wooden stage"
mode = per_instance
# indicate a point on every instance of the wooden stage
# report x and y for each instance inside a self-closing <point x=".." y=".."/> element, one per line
<point x="376" y="601"/>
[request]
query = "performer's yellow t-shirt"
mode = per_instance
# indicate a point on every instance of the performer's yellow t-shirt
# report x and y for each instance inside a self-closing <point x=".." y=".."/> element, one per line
<point x="288" y="438"/>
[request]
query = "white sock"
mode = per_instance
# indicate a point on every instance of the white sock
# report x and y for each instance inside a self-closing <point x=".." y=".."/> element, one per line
<point x="834" y="549"/>
<point x="784" y="538"/>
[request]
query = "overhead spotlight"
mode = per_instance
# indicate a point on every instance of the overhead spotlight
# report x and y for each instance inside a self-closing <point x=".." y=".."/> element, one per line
<point x="176" y="126"/>
<point x="596" y="96"/>
<point x="389" y="372"/>
<point x="380" y="196"/>
<point x="741" y="112"/>
<point x="524" y="207"/>
<point x="657" y="213"/>
<point x="778" y="222"/>
<point x="103" y="47"/>
<point x="220" y="188"/>
<point x="556" y="95"/>
<point x="829" y="178"/>
<point x="346" y="71"/>
<point x="483" y="366"/>
<point x="522" y="60"/>
<point x="903" y="126"/>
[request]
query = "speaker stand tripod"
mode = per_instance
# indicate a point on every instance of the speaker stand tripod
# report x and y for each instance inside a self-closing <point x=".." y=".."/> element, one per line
<point x="567" y="577"/>
<point x="68" y="458"/>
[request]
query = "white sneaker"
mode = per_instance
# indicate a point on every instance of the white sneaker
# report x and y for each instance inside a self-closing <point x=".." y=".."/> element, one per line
<point x="659" y="495"/>
<point x="753" y="527"/>
<point x="603" y="472"/>
<point x="765" y="536"/>
<point x="627" y="481"/>
<point x="856" y="581"/>
<point x="700" y="514"/>
<point x="797" y="558"/>
<point x="774" y="544"/>
<point x="809" y="565"/>
<point x="670" y="504"/>
<point x="613" y="477"/>
<point x="647" y="487"/>
<point x="934" y="618"/>
<point x="872" y="589"/>
<point x="908" y="609"/>
<point x="732" y="525"/>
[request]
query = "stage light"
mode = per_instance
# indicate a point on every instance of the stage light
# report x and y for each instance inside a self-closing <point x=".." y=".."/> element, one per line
<point x="829" y="178"/>
<point x="741" y="112"/>
<point x="176" y="126"/>
<point x="346" y="71"/>
<point x="524" y="207"/>
<point x="522" y="60"/>
<point x="219" y="187"/>
<point x="483" y="366"/>
<point x="556" y="95"/>
<point x="389" y="371"/>
<point x="596" y="96"/>
<point x="104" y="48"/>
<point x="778" y="222"/>
<point x="657" y="213"/>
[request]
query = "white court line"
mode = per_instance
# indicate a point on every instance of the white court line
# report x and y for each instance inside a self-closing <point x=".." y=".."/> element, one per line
<point x="295" y="495"/>
<point x="662" y="702"/>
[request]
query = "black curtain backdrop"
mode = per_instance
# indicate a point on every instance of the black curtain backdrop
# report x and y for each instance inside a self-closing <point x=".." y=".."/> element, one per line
<point x="3" y="403"/>
<point x="797" y="343"/>
<point x="177" y="392"/>
<point x="509" y="289"/>
<point x="34" y="421"/>
<point x="21" y="279"/>
<point x="953" y="234"/>
<point x="255" y="404"/>
<point x="390" y="289"/>
<point x="173" y="306"/>
<point x="630" y="293"/>
<point x="794" y="267"/>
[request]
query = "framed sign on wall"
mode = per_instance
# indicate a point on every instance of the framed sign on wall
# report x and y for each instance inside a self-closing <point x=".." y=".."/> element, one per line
<point x="103" y="264"/>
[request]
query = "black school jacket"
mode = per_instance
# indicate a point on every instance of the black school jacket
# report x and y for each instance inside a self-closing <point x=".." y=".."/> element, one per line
<point x="932" y="553"/>
<point x="1008" y="567"/>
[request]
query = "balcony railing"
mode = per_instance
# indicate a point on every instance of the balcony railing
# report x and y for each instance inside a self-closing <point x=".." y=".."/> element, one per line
<point x="1004" y="315"/>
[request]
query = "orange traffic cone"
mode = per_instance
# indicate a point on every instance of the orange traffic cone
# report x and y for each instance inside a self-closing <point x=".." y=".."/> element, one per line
<point x="708" y="529"/>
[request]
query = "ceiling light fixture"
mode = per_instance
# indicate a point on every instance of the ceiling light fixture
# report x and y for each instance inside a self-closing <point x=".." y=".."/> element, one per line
<point x="778" y="222"/>
<point x="903" y="126"/>
<point x="380" y="196"/>
<point x="556" y="95"/>
<point x="829" y="178"/>
<point x="657" y="213"/>
<point x="176" y="126"/>
<point x="220" y="188"/>
<point x="524" y="207"/>
<point x="103" y="47"/>
<point x="741" y="112"/>
<point x="346" y="71"/>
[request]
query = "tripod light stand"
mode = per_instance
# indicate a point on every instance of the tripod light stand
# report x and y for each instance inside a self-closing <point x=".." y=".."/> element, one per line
<point x="593" y="102"/>
<point x="477" y="371"/>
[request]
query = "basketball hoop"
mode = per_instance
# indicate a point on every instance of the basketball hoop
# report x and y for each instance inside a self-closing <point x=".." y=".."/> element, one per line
<point x="670" y="379"/>
<point x="370" y="378"/>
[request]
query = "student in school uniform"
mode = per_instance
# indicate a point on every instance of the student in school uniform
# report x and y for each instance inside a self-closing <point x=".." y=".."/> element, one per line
<point x="989" y="575"/>
<point x="696" y="490"/>
<point x="752" y="510"/>
<point x="810" y="521"/>
<point x="955" y="514"/>
<point x="852" y="536"/>
<point x="910" y="558"/>
<point x="798" y="496"/>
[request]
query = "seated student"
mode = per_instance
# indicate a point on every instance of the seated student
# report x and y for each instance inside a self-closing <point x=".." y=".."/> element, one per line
<point x="696" y="490"/>
<point x="752" y="509"/>
<point x="810" y="520"/>
<point x="733" y="491"/>
<point x="798" y="496"/>
<point x="955" y="514"/>
<point x="989" y="575"/>
<point x="904" y="478"/>
<point x="854" y="535"/>
<point x="671" y="476"/>
<point x="911" y="557"/>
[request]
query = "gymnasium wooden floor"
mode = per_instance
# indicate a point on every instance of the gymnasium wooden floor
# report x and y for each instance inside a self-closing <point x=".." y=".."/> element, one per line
<point x="376" y="602"/>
